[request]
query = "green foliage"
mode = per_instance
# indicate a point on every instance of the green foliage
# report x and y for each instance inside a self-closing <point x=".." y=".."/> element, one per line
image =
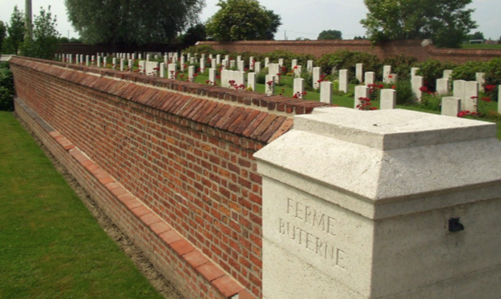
<point x="330" y="34"/>
<point x="493" y="76"/>
<point x="446" y="22"/>
<point x="15" y="32"/>
<point x="401" y="65"/>
<point x="347" y="60"/>
<point x="467" y="71"/>
<point x="194" y="34"/>
<point x="477" y="35"/>
<point x="6" y="88"/>
<point x="431" y="101"/>
<point x="242" y="20"/>
<point x="431" y="70"/>
<point x="404" y="92"/>
<point x="45" y="39"/>
<point x="132" y="22"/>
<point x="3" y="33"/>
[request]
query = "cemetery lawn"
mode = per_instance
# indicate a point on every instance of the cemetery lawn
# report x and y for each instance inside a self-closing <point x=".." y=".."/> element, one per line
<point x="50" y="244"/>
<point x="348" y="101"/>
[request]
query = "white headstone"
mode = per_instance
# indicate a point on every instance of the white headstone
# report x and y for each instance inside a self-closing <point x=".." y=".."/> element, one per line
<point x="270" y="84"/>
<point x="298" y="88"/>
<point x="87" y="60"/>
<point x="191" y="73"/>
<point x="218" y="59"/>
<point x="326" y="92"/>
<point x="232" y="64"/>
<point x="309" y="66"/>
<point x="359" y="72"/>
<point x="161" y="67"/>
<point x="241" y="65"/>
<point x="274" y="70"/>
<point x="470" y="99"/>
<point x="370" y="78"/>
<point x="480" y="78"/>
<point x="343" y="81"/>
<point x="171" y="70"/>
<point x="122" y="64"/>
<point x="297" y="71"/>
<point x="293" y="63"/>
<point x="266" y="61"/>
<point x="251" y="81"/>
<point x="386" y="73"/>
<point x="281" y="62"/>
<point x="202" y="65"/>
<point x="447" y="74"/>
<point x="451" y="106"/>
<point x="212" y="76"/>
<point x="361" y="91"/>
<point x="459" y="87"/>
<point x="257" y="67"/>
<point x="388" y="99"/>
<point x="99" y="61"/>
<point x="392" y="79"/>
<point x="316" y="77"/>
<point x="416" y="84"/>
<point x="414" y="71"/>
<point x="442" y="86"/>
<point x="251" y="63"/>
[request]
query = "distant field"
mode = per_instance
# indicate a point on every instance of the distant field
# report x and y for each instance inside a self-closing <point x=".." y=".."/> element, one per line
<point x="481" y="47"/>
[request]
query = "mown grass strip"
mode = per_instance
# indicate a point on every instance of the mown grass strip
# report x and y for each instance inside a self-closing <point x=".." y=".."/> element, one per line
<point x="50" y="244"/>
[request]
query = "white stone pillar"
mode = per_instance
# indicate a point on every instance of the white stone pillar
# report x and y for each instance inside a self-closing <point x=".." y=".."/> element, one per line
<point x="297" y="71"/>
<point x="309" y="66"/>
<point x="480" y="78"/>
<point x="386" y="73"/>
<point x="396" y="204"/>
<point x="316" y="77"/>
<point x="442" y="86"/>
<point x="257" y="67"/>
<point x="191" y="72"/>
<point x="416" y="84"/>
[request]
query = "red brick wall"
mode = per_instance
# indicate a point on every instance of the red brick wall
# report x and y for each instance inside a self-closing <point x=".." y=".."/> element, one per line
<point x="411" y="48"/>
<point x="183" y="151"/>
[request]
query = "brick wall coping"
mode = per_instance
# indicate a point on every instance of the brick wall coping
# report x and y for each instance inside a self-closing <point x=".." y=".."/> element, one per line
<point x="249" y="114"/>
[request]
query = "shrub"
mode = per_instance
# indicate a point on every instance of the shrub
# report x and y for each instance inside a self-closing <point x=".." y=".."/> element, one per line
<point x="468" y="70"/>
<point x="431" y="70"/>
<point x="401" y="65"/>
<point x="6" y="88"/>
<point x="404" y="92"/>
<point x="493" y="77"/>
<point x="348" y="60"/>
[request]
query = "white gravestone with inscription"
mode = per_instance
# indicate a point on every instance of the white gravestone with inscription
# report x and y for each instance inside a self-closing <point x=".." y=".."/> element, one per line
<point x="387" y="209"/>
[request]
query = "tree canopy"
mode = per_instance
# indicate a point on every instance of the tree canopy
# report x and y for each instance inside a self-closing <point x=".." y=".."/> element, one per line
<point x="446" y="22"/>
<point x="15" y="32"/>
<point x="330" y="34"/>
<point x="242" y="20"/>
<point x="45" y="39"/>
<point x="132" y="21"/>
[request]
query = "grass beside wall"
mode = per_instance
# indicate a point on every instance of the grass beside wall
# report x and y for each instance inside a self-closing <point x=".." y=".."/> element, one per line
<point x="50" y="244"/>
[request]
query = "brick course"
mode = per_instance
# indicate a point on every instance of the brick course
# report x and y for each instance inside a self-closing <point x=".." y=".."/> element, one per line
<point x="170" y="162"/>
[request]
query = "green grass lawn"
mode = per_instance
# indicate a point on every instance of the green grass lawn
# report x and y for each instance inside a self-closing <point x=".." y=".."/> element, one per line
<point x="50" y="244"/>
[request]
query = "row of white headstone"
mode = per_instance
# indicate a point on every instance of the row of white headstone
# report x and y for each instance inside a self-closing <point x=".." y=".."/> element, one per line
<point x="464" y="92"/>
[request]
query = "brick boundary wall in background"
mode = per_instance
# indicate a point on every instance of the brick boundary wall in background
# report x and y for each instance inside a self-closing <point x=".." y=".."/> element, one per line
<point x="170" y="162"/>
<point x="411" y="48"/>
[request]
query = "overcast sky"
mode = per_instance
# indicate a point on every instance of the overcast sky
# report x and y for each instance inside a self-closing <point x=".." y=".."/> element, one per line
<point x="300" y="18"/>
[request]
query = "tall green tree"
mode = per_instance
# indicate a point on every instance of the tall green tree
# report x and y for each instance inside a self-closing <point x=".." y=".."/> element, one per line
<point x="45" y="37"/>
<point x="15" y="31"/>
<point x="132" y="21"/>
<point x="3" y="33"/>
<point x="330" y="34"/>
<point x="242" y="20"/>
<point x="446" y="22"/>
